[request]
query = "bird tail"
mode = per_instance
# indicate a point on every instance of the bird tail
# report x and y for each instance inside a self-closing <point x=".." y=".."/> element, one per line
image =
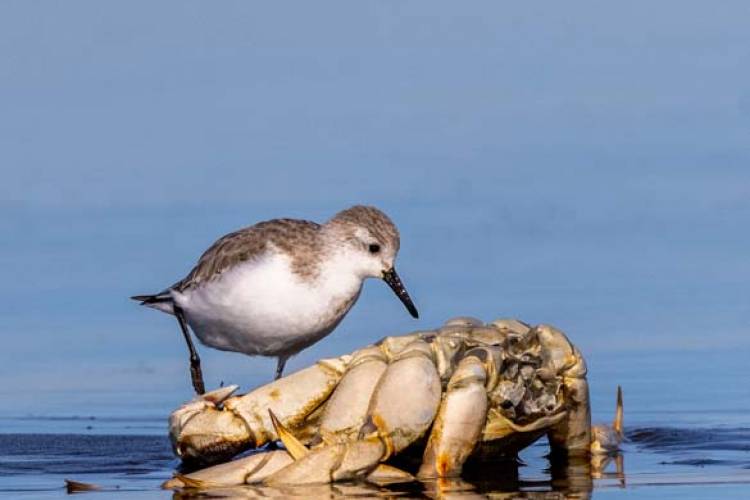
<point x="617" y="424"/>
<point x="161" y="301"/>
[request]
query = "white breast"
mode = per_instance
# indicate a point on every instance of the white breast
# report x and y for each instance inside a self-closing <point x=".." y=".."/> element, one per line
<point x="262" y="307"/>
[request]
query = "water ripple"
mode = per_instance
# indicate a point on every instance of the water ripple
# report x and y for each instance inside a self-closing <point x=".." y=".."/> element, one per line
<point x="71" y="454"/>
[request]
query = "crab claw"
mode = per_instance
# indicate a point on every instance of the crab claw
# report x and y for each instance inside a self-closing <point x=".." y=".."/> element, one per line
<point x="332" y="463"/>
<point x="188" y="424"/>
<point x="211" y="399"/>
<point x="214" y="427"/>
<point x="252" y="469"/>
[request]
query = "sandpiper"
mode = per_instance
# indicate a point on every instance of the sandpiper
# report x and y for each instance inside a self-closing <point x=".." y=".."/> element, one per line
<point x="279" y="286"/>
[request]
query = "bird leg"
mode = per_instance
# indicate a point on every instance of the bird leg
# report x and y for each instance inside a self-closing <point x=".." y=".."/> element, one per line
<point x="195" y="362"/>
<point x="280" y="362"/>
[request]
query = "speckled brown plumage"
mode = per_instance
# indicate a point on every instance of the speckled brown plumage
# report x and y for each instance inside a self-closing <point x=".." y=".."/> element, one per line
<point x="298" y="238"/>
<point x="379" y="224"/>
<point x="303" y="279"/>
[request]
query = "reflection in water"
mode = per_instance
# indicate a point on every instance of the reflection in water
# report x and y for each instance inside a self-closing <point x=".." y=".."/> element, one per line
<point x="569" y="479"/>
<point x="571" y="476"/>
<point x="599" y="464"/>
<point x="336" y="490"/>
<point x="656" y="455"/>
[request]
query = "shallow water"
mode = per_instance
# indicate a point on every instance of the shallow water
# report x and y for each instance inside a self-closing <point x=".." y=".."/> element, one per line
<point x="658" y="462"/>
<point x="687" y="420"/>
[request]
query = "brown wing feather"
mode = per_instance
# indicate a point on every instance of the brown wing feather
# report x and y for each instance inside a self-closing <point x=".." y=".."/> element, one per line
<point x="252" y="242"/>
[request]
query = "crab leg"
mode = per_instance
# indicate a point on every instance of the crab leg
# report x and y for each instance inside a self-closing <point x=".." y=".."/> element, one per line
<point x="187" y="424"/>
<point x="331" y="463"/>
<point x="462" y="415"/>
<point x="204" y="431"/>
<point x="291" y="398"/>
<point x="248" y="470"/>
<point x="397" y="416"/>
<point x="401" y="414"/>
<point x="256" y="468"/>
<point x="572" y="435"/>
<point x="606" y="439"/>
<point x="381" y="474"/>
<point x="346" y="409"/>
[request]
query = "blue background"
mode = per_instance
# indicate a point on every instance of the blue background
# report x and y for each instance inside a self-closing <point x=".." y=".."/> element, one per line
<point x="583" y="164"/>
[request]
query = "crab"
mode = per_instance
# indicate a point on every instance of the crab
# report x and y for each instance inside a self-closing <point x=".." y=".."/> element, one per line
<point x="466" y="390"/>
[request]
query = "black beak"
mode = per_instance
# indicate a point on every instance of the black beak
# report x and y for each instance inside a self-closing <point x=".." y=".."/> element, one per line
<point x="394" y="282"/>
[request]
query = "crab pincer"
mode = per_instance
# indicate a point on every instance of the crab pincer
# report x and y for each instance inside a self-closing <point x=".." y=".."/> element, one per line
<point x="214" y="426"/>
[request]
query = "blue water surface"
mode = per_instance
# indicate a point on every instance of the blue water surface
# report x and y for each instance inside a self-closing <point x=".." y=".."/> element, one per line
<point x="583" y="164"/>
<point x="679" y="445"/>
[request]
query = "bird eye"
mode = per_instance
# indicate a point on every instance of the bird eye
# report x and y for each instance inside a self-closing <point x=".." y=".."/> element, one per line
<point x="374" y="248"/>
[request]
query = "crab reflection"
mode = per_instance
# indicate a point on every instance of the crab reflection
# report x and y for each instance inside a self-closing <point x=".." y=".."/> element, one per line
<point x="600" y="463"/>
<point x="571" y="478"/>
